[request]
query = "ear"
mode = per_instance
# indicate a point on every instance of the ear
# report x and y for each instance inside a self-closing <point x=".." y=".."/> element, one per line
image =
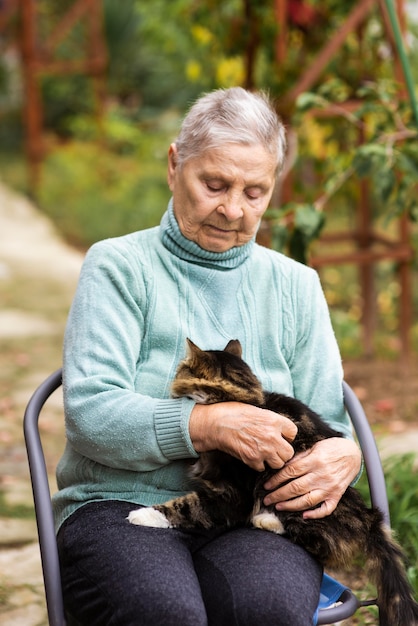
<point x="192" y="348"/>
<point x="234" y="347"/>
<point x="172" y="165"/>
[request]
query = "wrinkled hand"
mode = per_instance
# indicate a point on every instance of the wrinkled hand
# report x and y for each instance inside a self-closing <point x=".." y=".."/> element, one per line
<point x="253" y="435"/>
<point x="318" y="476"/>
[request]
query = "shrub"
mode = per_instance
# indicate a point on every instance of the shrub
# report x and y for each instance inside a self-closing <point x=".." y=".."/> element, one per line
<point x="93" y="190"/>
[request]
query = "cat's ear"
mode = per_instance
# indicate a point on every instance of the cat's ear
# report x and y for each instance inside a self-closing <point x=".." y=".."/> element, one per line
<point x="192" y="348"/>
<point x="234" y="347"/>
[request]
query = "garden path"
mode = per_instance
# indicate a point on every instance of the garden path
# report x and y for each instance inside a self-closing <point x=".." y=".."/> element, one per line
<point x="32" y="256"/>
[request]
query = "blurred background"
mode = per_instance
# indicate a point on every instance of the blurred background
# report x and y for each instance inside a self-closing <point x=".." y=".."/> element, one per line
<point x="92" y="92"/>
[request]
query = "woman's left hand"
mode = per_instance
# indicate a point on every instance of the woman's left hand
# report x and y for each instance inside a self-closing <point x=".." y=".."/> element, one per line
<point x="317" y="478"/>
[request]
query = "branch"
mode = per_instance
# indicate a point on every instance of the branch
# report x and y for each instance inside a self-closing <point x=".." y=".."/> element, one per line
<point x="339" y="181"/>
<point x="399" y="135"/>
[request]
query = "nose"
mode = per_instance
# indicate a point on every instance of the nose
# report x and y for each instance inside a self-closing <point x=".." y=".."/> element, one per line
<point x="231" y="208"/>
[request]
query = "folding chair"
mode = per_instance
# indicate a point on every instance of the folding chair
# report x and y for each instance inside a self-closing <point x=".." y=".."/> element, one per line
<point x="332" y="592"/>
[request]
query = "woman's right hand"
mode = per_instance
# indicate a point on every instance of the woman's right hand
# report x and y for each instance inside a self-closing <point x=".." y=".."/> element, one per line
<point x="253" y="435"/>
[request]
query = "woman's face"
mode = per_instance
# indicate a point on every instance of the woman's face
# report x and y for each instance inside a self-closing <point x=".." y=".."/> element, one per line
<point x="220" y="196"/>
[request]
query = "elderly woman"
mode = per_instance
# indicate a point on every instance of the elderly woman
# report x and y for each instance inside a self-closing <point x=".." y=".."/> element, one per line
<point x="201" y="275"/>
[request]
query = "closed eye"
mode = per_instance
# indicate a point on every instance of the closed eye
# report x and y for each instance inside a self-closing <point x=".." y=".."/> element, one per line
<point x="215" y="188"/>
<point x="253" y="193"/>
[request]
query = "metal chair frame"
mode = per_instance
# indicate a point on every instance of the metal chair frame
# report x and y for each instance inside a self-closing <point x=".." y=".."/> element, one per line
<point x="45" y="521"/>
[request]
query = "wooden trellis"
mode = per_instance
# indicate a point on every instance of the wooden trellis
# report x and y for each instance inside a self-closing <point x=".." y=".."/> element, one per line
<point x="370" y="247"/>
<point x="40" y="58"/>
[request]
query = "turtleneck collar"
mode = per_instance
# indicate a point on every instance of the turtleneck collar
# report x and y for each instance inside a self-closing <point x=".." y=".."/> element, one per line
<point x="173" y="239"/>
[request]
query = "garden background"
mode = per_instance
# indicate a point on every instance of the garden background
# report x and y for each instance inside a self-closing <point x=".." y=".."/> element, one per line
<point x="103" y="173"/>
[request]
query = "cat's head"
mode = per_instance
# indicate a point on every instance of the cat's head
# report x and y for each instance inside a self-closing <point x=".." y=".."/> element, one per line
<point x="209" y="376"/>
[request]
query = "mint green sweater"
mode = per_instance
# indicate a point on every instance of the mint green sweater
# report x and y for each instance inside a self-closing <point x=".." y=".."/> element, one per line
<point x="138" y="298"/>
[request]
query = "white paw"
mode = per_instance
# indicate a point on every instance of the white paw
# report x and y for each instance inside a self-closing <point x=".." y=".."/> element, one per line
<point x="148" y="517"/>
<point x="268" y="521"/>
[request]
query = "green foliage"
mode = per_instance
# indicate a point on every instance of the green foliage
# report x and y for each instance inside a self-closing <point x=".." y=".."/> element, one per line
<point x="122" y="26"/>
<point x="11" y="133"/>
<point x="93" y="194"/>
<point x="307" y="227"/>
<point x="150" y="53"/>
<point x="65" y="97"/>
<point x="94" y="190"/>
<point x="387" y="156"/>
<point x="401" y="476"/>
<point x="295" y="237"/>
<point x="348" y="332"/>
<point x="116" y="132"/>
<point x="149" y="47"/>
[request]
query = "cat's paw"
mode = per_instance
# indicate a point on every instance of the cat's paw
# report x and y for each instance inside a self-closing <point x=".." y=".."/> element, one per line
<point x="148" y="517"/>
<point x="268" y="521"/>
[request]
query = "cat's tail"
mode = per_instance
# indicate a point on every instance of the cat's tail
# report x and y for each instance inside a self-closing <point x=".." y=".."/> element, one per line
<point x="351" y="530"/>
<point x="386" y="567"/>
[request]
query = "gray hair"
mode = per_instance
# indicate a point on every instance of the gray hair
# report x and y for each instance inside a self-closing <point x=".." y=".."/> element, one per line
<point x="231" y="116"/>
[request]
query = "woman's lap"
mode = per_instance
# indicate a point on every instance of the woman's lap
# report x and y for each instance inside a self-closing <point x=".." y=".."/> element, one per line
<point x="119" y="574"/>
<point x="251" y="576"/>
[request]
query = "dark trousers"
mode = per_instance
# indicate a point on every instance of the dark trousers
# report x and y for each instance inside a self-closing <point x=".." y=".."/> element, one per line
<point x="118" y="574"/>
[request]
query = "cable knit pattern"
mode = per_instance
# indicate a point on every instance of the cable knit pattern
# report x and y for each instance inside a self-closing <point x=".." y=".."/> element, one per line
<point x="139" y="297"/>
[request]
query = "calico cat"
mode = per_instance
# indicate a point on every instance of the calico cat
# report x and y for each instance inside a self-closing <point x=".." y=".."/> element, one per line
<point x="228" y="493"/>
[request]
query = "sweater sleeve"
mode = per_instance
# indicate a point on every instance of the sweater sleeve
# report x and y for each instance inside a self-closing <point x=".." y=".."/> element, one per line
<point x="108" y="420"/>
<point x="316" y="366"/>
